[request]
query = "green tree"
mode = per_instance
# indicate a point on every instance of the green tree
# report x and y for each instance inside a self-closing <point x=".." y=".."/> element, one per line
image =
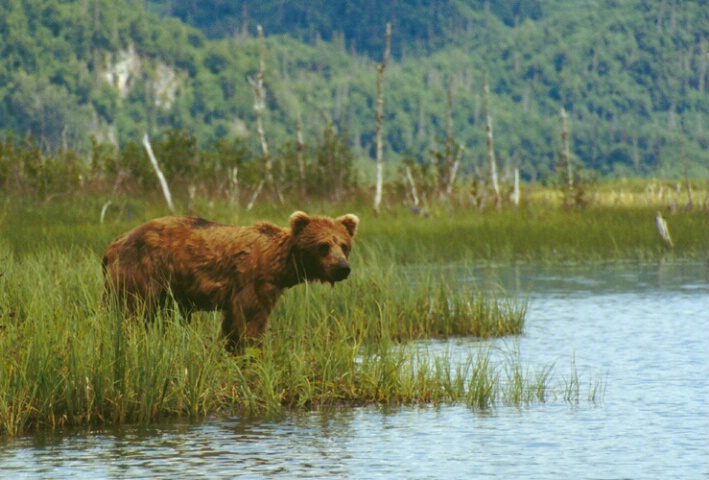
<point x="50" y="113"/>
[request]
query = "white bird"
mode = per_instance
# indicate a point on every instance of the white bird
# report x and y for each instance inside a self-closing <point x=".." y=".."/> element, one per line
<point x="663" y="230"/>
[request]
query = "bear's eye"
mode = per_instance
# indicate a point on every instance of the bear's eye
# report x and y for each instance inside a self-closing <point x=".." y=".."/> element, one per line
<point x="324" y="249"/>
<point x="345" y="249"/>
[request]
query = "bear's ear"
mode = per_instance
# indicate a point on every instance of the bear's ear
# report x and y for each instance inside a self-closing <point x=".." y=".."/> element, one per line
<point x="298" y="221"/>
<point x="350" y="221"/>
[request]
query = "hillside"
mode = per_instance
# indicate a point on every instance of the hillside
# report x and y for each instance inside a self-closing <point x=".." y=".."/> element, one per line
<point x="632" y="75"/>
<point x="420" y="26"/>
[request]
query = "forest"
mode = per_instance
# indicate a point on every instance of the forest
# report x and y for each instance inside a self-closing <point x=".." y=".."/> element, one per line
<point x="89" y="75"/>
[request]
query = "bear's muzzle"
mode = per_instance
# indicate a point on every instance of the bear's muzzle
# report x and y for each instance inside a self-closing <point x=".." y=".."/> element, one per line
<point x="339" y="271"/>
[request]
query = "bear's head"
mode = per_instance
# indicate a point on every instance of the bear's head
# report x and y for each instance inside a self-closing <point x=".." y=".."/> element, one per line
<point x="321" y="246"/>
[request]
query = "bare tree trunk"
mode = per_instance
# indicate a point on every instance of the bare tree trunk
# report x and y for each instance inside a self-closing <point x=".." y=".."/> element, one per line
<point x="515" y="197"/>
<point x="254" y="196"/>
<point x="566" y="155"/>
<point x="448" y="155"/>
<point x="490" y="146"/>
<point x="414" y="194"/>
<point x="161" y="177"/>
<point x="192" y="193"/>
<point x="103" y="210"/>
<point x="453" y="152"/>
<point x="259" y="107"/>
<point x="299" y="147"/>
<point x="233" y="186"/>
<point x="379" y="118"/>
<point x="454" y="170"/>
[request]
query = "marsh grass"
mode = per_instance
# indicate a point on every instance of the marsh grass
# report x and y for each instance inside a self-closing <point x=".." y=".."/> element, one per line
<point x="65" y="359"/>
<point x="398" y="304"/>
<point x="536" y="231"/>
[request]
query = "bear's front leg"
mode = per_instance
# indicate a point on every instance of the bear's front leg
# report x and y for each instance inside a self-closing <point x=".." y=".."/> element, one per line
<point x="246" y="316"/>
<point x="233" y="328"/>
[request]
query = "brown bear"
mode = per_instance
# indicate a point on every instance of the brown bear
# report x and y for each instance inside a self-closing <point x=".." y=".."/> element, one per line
<point x="242" y="271"/>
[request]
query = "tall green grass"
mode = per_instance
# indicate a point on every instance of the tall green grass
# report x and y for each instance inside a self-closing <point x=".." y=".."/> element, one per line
<point x="536" y="231"/>
<point x="67" y="360"/>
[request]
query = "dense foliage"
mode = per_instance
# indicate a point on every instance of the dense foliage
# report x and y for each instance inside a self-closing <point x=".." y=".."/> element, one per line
<point x="423" y="26"/>
<point x="633" y="76"/>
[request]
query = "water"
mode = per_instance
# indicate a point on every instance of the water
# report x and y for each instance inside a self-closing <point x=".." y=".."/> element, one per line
<point x="644" y="329"/>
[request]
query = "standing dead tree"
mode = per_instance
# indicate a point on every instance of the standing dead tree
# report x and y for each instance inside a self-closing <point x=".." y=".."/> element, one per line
<point x="454" y="169"/>
<point x="412" y="184"/>
<point x="300" y="148"/>
<point x="490" y="146"/>
<point x="453" y="152"/>
<point x="448" y="155"/>
<point x="259" y="107"/>
<point x="565" y="156"/>
<point x="379" y="118"/>
<point x="570" y="183"/>
<point x="158" y="172"/>
<point x="233" y="186"/>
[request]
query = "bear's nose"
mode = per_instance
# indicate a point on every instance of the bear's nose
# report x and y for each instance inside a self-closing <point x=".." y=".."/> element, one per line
<point x="340" y="271"/>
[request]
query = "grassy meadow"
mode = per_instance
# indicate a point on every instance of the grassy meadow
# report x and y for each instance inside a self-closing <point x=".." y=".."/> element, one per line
<point x="66" y="360"/>
<point x="619" y="223"/>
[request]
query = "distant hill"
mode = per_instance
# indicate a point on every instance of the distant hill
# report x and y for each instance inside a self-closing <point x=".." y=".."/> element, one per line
<point x="632" y="75"/>
<point x="420" y="26"/>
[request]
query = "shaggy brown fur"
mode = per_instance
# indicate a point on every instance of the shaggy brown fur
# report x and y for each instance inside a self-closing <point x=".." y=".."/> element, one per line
<point x="241" y="271"/>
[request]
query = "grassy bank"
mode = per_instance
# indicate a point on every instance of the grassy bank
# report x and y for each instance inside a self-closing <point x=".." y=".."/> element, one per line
<point x="64" y="360"/>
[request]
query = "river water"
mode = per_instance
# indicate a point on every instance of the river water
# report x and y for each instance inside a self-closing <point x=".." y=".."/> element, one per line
<point x="642" y="328"/>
